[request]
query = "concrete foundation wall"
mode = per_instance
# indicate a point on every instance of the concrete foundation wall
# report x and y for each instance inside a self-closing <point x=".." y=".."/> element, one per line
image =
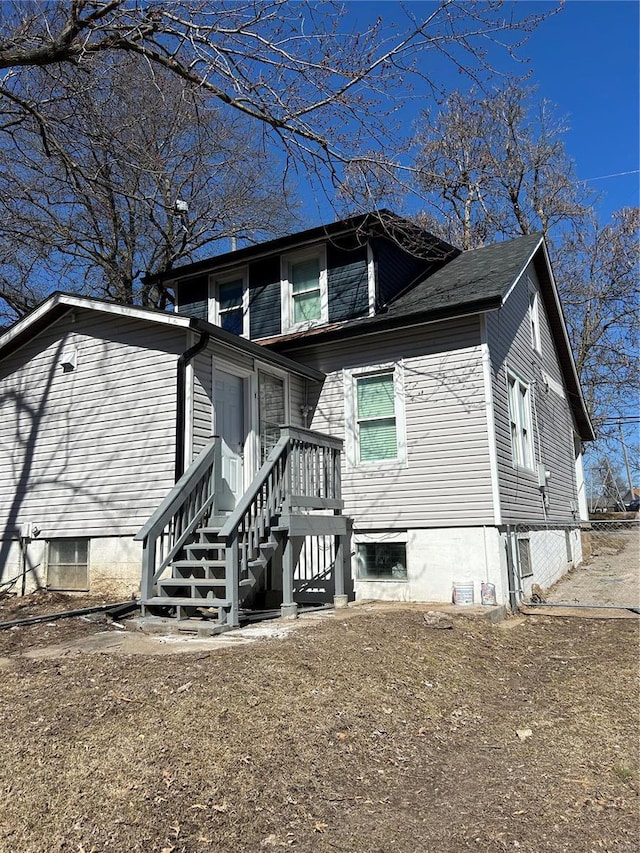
<point x="437" y="559"/>
<point x="114" y="566"/>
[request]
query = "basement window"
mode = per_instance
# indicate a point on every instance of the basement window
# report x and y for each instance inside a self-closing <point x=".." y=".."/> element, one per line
<point x="524" y="557"/>
<point x="68" y="565"/>
<point x="382" y="561"/>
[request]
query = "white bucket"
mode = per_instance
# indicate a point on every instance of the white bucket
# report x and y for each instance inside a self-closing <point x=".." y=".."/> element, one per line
<point x="463" y="592"/>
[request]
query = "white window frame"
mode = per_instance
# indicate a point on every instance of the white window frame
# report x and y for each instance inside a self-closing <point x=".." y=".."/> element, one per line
<point x="215" y="281"/>
<point x="352" y="437"/>
<point x="534" y="315"/>
<point x="286" y="287"/>
<point x="520" y="422"/>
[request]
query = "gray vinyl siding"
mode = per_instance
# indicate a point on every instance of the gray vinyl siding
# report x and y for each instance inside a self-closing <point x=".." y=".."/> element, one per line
<point x="302" y="392"/>
<point x="447" y="480"/>
<point x="89" y="452"/>
<point x="510" y="346"/>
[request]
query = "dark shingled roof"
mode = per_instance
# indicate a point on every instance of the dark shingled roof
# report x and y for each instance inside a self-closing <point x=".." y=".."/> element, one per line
<point x="476" y="276"/>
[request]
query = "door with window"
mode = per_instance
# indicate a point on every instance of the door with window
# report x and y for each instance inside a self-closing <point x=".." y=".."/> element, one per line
<point x="272" y="411"/>
<point x="231" y="427"/>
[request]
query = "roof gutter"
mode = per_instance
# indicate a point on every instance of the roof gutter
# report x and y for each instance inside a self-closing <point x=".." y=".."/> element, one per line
<point x="181" y="399"/>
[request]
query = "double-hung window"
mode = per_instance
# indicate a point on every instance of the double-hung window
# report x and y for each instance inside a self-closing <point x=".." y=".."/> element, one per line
<point x="375" y="421"/>
<point x="304" y="289"/>
<point x="376" y="417"/>
<point x="520" y="422"/>
<point x="230" y="303"/>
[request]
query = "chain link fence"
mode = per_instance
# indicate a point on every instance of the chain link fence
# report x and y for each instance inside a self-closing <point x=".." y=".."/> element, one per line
<point x="594" y="564"/>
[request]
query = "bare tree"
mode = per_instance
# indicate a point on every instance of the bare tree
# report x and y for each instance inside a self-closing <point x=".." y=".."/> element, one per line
<point x="494" y="166"/>
<point x="98" y="177"/>
<point x="133" y="180"/>
<point x="598" y="270"/>
<point x="319" y="91"/>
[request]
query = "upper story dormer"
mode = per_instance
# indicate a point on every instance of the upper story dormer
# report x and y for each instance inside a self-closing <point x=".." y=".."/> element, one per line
<point x="320" y="277"/>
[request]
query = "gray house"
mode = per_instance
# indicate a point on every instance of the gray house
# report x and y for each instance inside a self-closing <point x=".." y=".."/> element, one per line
<point x="436" y="425"/>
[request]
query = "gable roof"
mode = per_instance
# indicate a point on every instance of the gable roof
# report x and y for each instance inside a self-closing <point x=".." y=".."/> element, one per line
<point x="59" y="304"/>
<point x="381" y="222"/>
<point x="478" y="276"/>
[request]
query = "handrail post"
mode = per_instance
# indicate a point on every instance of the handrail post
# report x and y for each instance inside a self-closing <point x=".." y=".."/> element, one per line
<point x="337" y="475"/>
<point x="292" y="548"/>
<point x="342" y="565"/>
<point x="216" y="473"/>
<point x="232" y="579"/>
<point x="148" y="566"/>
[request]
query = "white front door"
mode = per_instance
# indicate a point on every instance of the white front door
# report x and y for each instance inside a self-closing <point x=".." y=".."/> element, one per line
<point x="230" y="426"/>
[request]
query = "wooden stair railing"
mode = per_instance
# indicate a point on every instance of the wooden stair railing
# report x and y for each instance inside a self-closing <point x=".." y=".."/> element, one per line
<point x="177" y="518"/>
<point x="301" y="473"/>
<point x="296" y="493"/>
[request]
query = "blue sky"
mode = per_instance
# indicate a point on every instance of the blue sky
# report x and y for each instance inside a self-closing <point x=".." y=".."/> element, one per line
<point x="585" y="60"/>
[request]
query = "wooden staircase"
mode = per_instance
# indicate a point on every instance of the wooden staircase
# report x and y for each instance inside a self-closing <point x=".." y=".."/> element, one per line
<point x="198" y="579"/>
<point x="196" y="561"/>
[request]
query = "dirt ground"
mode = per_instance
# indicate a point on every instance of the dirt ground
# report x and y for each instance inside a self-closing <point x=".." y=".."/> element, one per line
<point x="369" y="730"/>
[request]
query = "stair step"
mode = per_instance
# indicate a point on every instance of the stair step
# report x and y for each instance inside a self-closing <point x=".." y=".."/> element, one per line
<point x="215" y="522"/>
<point x="202" y="583"/>
<point x="194" y="592"/>
<point x="195" y="564"/>
<point x="180" y="601"/>
<point x="210" y="562"/>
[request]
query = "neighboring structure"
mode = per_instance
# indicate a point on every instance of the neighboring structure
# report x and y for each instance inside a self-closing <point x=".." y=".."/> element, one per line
<point x="447" y="375"/>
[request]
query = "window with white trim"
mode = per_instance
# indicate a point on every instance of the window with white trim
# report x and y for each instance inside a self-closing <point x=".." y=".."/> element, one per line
<point x="229" y="303"/>
<point x="520" y="422"/>
<point x="375" y="417"/>
<point x="304" y="289"/>
<point x="534" y="316"/>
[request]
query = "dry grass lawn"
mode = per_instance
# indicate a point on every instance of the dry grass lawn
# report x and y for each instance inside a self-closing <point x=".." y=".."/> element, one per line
<point x="368" y="732"/>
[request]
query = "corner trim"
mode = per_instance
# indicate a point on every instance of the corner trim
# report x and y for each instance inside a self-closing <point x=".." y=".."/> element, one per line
<point x="491" y="424"/>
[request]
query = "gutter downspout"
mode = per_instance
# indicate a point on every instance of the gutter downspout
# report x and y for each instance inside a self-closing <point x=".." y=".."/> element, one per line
<point x="183" y="361"/>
